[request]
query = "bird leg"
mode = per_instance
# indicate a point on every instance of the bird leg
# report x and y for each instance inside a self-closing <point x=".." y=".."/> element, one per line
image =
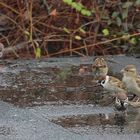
<point x="138" y="100"/>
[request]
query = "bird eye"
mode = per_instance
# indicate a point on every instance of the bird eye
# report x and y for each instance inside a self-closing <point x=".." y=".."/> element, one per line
<point x="126" y="70"/>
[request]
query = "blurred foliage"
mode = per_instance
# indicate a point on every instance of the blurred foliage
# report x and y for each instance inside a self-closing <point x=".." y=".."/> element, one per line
<point x="78" y="6"/>
<point x="71" y="27"/>
<point x="105" y="32"/>
<point x="38" y="52"/>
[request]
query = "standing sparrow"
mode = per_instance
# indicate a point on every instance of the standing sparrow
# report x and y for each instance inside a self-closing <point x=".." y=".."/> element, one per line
<point x="131" y="79"/>
<point x="114" y="85"/>
<point x="111" y="84"/>
<point x="99" y="67"/>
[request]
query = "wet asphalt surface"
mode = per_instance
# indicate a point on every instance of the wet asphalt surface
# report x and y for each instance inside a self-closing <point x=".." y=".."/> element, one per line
<point x="47" y="100"/>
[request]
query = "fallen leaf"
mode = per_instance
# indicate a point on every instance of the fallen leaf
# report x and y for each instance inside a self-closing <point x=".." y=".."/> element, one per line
<point x="53" y="13"/>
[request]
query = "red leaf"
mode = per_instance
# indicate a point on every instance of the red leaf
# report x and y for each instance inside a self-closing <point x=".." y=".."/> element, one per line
<point x="53" y="13"/>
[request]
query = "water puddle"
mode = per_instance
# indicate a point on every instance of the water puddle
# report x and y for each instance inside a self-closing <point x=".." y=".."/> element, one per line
<point x="113" y="123"/>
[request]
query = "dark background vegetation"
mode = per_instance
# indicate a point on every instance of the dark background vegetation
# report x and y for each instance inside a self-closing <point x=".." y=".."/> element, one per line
<point x="46" y="28"/>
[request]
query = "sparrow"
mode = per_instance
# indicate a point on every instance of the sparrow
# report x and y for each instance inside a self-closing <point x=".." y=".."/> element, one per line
<point x="121" y="101"/>
<point x="111" y="84"/>
<point x="99" y="67"/>
<point x="131" y="79"/>
<point x="114" y="85"/>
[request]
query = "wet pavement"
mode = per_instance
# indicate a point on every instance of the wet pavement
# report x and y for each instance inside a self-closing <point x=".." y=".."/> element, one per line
<point x="47" y="99"/>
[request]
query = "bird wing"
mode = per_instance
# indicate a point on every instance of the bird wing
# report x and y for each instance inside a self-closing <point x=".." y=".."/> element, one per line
<point x="138" y="80"/>
<point x="117" y="82"/>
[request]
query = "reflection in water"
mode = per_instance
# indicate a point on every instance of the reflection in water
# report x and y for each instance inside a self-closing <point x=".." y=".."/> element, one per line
<point x="115" y="123"/>
<point x="134" y="120"/>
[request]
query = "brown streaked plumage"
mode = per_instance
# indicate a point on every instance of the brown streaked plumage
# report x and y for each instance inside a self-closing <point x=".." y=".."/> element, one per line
<point x="134" y="104"/>
<point x="99" y="67"/>
<point x="112" y="84"/>
<point x="121" y="101"/>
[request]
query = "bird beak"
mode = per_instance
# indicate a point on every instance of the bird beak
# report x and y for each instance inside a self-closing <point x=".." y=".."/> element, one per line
<point x="122" y="71"/>
<point x="98" y="83"/>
